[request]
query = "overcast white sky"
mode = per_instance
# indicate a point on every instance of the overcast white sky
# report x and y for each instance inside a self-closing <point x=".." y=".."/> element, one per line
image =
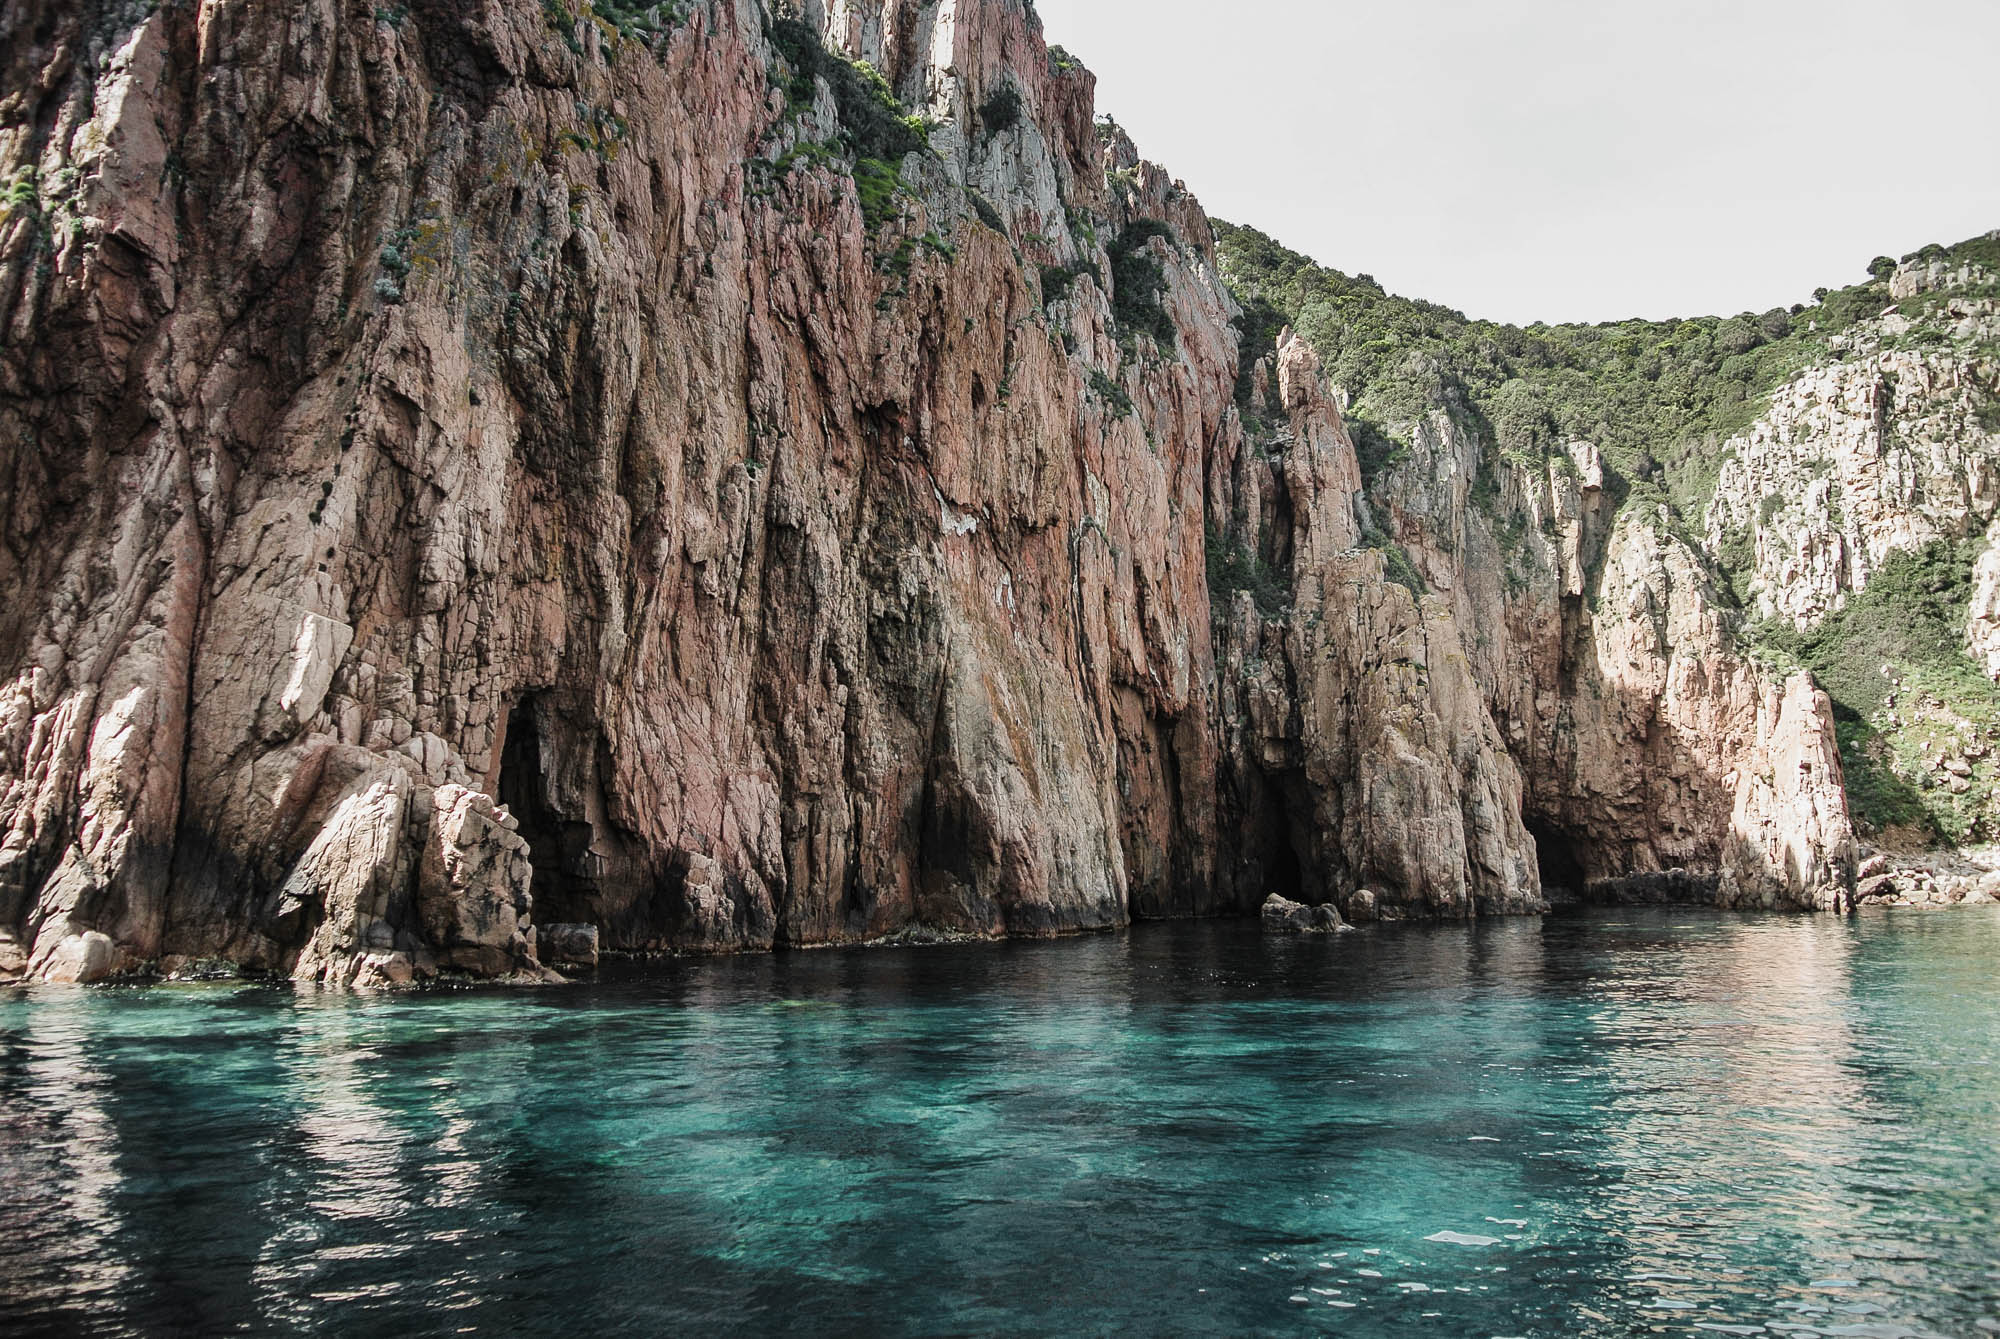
<point x="1568" y="160"/>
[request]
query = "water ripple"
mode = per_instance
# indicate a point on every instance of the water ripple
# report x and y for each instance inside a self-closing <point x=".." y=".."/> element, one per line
<point x="1595" y="1125"/>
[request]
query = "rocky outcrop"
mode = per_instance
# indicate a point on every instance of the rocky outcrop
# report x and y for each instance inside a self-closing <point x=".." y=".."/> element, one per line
<point x="1284" y="916"/>
<point x="1969" y="877"/>
<point x="472" y="886"/>
<point x="568" y="945"/>
<point x="1888" y="445"/>
<point x="1982" y="626"/>
<point x="480" y="408"/>
<point x="1792" y="841"/>
<point x="474" y="468"/>
<point x="1877" y="469"/>
<point x="1651" y="752"/>
<point x="1362" y="748"/>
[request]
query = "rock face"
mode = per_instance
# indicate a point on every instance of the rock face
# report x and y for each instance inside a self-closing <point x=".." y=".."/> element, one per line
<point x="1553" y="695"/>
<point x="1885" y="447"/>
<point x="472" y="886"/>
<point x="1982" y="631"/>
<point x="1879" y="460"/>
<point x="1361" y="747"/>
<point x="473" y="467"/>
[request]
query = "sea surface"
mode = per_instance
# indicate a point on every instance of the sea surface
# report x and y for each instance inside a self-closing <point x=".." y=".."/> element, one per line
<point x="1601" y="1123"/>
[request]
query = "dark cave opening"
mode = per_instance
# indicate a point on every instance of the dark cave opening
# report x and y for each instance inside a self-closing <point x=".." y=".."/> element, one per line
<point x="1282" y="874"/>
<point x="1271" y="841"/>
<point x="557" y="848"/>
<point x="1562" y="871"/>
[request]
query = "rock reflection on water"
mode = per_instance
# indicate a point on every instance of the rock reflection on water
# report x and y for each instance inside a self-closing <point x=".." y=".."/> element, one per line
<point x="1747" y="1033"/>
<point x="58" y="1169"/>
<point x="371" y="1189"/>
<point x="1611" y="1123"/>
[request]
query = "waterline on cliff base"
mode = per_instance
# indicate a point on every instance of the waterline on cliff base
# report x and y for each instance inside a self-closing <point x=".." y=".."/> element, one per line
<point x="1601" y="1123"/>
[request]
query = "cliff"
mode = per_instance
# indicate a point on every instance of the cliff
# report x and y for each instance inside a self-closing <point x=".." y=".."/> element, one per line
<point x="1860" y="508"/>
<point x="740" y="479"/>
<point x="1707" y="507"/>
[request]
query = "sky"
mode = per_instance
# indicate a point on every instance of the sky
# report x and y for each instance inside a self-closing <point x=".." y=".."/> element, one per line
<point x="1568" y="160"/>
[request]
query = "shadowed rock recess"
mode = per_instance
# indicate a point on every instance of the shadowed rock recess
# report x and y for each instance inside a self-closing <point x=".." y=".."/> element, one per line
<point x="472" y="465"/>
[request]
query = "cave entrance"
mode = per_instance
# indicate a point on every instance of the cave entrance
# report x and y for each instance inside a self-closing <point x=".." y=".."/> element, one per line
<point x="1271" y="841"/>
<point x="1562" y="870"/>
<point x="558" y="848"/>
<point x="1282" y="874"/>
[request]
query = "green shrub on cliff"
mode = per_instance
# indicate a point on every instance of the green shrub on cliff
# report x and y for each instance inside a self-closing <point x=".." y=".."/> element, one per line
<point x="1001" y="112"/>
<point x="1233" y="567"/>
<point x="1112" y="394"/>
<point x="1257" y="326"/>
<point x="1138" y="281"/>
<point x="877" y="184"/>
<point x="873" y="123"/>
<point x="23" y="199"/>
<point x="640" y="21"/>
<point x="1057" y="280"/>
<point x="876" y="131"/>
<point x="1911" y="614"/>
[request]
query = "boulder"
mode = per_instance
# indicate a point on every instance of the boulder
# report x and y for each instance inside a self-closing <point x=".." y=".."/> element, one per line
<point x="1364" y="906"/>
<point x="472" y="888"/>
<point x="81" y="958"/>
<point x="1284" y="916"/>
<point x="1877" y="885"/>
<point x="13" y="957"/>
<point x="378" y="971"/>
<point x="567" y="945"/>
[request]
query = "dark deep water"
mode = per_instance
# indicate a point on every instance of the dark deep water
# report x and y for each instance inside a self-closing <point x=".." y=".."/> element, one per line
<point x="1672" y="1122"/>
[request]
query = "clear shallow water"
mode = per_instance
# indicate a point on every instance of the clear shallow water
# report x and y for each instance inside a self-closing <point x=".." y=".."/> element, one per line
<point x="1663" y="1120"/>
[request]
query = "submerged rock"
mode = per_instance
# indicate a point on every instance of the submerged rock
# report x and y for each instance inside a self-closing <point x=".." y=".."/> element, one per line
<point x="1450" y="1238"/>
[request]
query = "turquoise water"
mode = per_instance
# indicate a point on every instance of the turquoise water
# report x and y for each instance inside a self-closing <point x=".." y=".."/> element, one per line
<point x="1636" y="1122"/>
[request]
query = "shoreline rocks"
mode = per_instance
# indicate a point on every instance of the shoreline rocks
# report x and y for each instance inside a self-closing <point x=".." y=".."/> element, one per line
<point x="1281" y="915"/>
<point x="567" y="945"/>
<point x="1965" y="877"/>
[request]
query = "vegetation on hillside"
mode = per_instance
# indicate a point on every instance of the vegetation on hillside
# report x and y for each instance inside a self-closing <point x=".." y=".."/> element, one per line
<point x="1659" y="398"/>
<point x="1234" y="566"/>
<point x="639" y="19"/>
<point x="1138" y="282"/>
<point x="620" y="20"/>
